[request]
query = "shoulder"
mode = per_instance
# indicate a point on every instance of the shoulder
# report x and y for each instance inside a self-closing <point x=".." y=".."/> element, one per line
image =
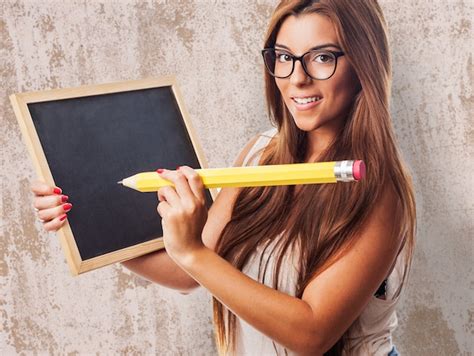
<point x="381" y="229"/>
<point x="253" y="143"/>
<point x="386" y="212"/>
<point x="221" y="210"/>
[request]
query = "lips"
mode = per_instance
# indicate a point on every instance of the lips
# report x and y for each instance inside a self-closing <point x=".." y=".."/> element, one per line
<point x="306" y="96"/>
<point x="306" y="99"/>
<point x="303" y="103"/>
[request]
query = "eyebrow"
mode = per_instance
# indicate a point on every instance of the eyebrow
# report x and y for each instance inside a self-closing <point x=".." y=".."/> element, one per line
<point x="313" y="48"/>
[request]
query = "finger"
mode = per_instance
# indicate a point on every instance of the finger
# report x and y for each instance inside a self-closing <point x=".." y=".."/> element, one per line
<point x="163" y="208"/>
<point x="160" y="193"/>
<point x="41" y="188"/>
<point x="180" y="183"/>
<point x="49" y="201"/>
<point x="56" y="223"/>
<point x="195" y="182"/>
<point x="168" y="194"/>
<point x="53" y="213"/>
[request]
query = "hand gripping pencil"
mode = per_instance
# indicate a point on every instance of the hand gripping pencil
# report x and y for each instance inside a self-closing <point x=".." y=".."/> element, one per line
<point x="253" y="176"/>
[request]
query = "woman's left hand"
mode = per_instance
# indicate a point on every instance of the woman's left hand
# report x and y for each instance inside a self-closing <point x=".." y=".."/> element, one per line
<point x="183" y="211"/>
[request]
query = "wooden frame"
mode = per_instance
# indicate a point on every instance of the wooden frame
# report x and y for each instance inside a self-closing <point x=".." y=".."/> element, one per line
<point x="20" y="105"/>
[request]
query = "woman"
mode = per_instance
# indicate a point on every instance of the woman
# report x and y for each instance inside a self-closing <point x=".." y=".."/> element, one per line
<point x="308" y="269"/>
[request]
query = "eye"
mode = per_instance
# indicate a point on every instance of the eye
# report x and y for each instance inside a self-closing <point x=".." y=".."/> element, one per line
<point x="323" y="57"/>
<point x="282" y="57"/>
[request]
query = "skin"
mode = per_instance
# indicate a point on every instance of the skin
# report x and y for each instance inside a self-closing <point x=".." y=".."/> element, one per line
<point x="51" y="206"/>
<point x="335" y="297"/>
<point x="323" y="121"/>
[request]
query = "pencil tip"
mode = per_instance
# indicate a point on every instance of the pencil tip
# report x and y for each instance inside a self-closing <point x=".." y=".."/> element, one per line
<point x="119" y="182"/>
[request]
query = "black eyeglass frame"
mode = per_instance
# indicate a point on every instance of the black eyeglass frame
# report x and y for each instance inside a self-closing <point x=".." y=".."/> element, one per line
<point x="336" y="55"/>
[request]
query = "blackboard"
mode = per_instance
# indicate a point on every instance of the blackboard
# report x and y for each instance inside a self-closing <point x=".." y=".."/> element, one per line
<point x="86" y="139"/>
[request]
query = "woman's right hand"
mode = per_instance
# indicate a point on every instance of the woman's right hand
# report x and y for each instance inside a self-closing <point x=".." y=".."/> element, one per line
<point x="50" y="204"/>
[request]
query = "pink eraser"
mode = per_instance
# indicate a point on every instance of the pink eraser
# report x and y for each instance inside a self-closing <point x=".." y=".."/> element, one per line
<point x="358" y="170"/>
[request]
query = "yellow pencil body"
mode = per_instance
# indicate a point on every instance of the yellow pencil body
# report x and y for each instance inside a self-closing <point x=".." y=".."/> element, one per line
<point x="252" y="176"/>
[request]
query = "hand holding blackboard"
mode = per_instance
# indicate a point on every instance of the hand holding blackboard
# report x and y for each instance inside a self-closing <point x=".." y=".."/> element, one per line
<point x="51" y="205"/>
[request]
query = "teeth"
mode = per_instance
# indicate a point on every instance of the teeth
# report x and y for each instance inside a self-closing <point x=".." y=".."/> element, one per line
<point x="306" y="100"/>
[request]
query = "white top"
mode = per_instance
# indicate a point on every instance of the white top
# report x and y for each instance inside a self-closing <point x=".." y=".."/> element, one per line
<point x="377" y="321"/>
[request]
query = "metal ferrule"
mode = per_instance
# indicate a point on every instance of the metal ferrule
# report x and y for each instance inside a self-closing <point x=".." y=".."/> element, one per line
<point x="343" y="171"/>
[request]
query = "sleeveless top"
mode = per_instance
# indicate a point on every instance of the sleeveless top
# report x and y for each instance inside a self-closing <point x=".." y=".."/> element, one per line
<point x="370" y="335"/>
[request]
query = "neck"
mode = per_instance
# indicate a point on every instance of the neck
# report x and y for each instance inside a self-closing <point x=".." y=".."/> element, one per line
<point x="318" y="141"/>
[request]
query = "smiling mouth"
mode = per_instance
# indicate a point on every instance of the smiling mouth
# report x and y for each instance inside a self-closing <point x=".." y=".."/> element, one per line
<point x="307" y="100"/>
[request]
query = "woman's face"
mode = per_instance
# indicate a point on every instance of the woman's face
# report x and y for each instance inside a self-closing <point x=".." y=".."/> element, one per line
<point x="298" y="35"/>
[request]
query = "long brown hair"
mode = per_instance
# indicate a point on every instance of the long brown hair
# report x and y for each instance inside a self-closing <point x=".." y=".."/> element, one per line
<point x="323" y="218"/>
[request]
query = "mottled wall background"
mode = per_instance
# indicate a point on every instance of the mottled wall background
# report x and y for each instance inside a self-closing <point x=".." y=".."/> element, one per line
<point x="213" y="48"/>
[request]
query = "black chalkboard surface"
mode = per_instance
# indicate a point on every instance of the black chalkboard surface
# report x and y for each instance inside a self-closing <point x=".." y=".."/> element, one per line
<point x="86" y="139"/>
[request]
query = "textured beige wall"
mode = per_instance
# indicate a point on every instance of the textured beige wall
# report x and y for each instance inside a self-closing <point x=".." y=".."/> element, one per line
<point x="213" y="47"/>
<point x="432" y="113"/>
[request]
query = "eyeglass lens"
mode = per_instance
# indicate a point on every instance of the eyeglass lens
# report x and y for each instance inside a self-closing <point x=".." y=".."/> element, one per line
<point x="319" y="64"/>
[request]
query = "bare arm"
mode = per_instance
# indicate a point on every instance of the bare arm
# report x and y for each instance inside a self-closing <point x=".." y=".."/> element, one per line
<point x="158" y="267"/>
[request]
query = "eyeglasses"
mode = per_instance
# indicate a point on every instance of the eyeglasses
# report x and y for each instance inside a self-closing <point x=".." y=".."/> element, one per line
<point x="317" y="64"/>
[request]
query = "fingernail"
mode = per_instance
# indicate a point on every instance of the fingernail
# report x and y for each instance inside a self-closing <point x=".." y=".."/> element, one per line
<point x="160" y="170"/>
<point x="178" y="167"/>
<point x="57" y="190"/>
<point x="64" y="198"/>
<point x="63" y="217"/>
<point x="67" y="206"/>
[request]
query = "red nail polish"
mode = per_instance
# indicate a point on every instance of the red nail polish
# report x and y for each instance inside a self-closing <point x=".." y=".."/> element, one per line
<point x="63" y="217"/>
<point x="178" y="167"/>
<point x="57" y="190"/>
<point x="160" y="170"/>
<point x="67" y="206"/>
<point x="64" y="198"/>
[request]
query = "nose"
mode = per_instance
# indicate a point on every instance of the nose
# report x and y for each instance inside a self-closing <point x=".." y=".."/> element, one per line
<point x="299" y="76"/>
